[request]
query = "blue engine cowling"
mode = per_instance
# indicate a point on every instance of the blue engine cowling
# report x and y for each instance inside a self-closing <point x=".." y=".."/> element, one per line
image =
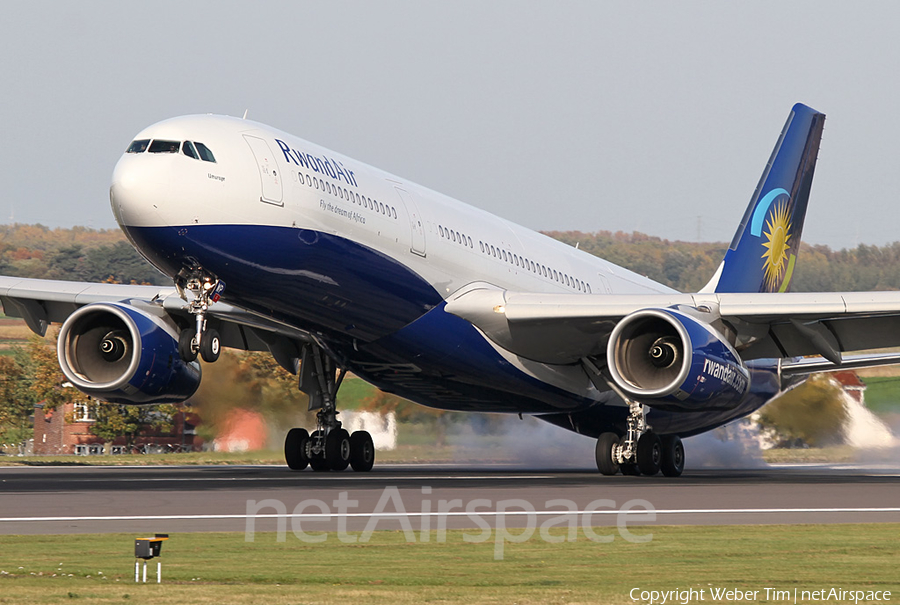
<point x="119" y="353"/>
<point x="670" y="360"/>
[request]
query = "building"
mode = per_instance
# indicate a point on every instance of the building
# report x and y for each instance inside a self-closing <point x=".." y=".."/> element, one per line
<point x="851" y="384"/>
<point x="67" y="430"/>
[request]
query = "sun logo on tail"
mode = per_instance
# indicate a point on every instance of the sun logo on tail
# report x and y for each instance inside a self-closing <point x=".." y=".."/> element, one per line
<point x="778" y="233"/>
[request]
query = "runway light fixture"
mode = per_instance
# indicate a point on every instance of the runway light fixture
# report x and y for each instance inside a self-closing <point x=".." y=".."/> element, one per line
<point x="146" y="549"/>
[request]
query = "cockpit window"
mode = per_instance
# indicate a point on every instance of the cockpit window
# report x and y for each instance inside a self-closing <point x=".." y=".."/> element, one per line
<point x="159" y="146"/>
<point x="205" y="154"/>
<point x="187" y="148"/>
<point x="139" y="146"/>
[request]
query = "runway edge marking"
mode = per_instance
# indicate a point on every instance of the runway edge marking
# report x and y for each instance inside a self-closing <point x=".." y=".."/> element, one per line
<point x="394" y="515"/>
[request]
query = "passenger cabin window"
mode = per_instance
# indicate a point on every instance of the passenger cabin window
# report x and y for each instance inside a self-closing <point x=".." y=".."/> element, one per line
<point x="187" y="148"/>
<point x="205" y="154"/>
<point x="139" y="146"/>
<point x="160" y="146"/>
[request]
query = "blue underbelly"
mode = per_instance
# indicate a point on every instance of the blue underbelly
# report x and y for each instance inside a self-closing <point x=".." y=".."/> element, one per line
<point x="442" y="361"/>
<point x="313" y="280"/>
<point x="384" y="321"/>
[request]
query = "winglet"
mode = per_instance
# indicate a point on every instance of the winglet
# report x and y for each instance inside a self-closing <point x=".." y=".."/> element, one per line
<point x="763" y="253"/>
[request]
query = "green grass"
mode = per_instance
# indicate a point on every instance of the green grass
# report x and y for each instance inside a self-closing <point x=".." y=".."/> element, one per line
<point x="223" y="568"/>
<point x="421" y="452"/>
<point x="882" y="393"/>
<point x="353" y="391"/>
<point x="403" y="454"/>
<point x="187" y="458"/>
<point x="831" y="454"/>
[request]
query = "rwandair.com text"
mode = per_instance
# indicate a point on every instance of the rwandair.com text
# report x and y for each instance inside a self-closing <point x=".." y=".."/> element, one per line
<point x="542" y="523"/>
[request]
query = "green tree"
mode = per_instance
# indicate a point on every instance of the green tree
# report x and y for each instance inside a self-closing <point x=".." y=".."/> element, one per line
<point x="112" y="421"/>
<point x="28" y="377"/>
<point x="812" y="413"/>
<point x="252" y="381"/>
<point x="68" y="263"/>
<point x="121" y="263"/>
<point x="17" y="401"/>
<point x="45" y="380"/>
<point x="435" y="421"/>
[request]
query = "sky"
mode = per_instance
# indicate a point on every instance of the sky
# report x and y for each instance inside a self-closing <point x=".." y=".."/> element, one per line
<point x="622" y="116"/>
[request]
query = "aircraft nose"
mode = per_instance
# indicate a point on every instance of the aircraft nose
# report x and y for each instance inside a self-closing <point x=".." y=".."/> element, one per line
<point x="137" y="190"/>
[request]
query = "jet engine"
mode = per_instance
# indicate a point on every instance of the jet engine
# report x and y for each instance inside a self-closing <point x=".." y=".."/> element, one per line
<point x="670" y="360"/>
<point x="120" y="353"/>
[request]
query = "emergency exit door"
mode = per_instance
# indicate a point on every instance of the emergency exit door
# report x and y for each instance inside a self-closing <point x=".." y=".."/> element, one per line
<point x="417" y="227"/>
<point x="268" y="171"/>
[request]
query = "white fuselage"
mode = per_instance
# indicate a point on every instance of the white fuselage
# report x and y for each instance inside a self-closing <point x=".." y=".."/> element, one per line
<point x="449" y="243"/>
<point x="360" y="258"/>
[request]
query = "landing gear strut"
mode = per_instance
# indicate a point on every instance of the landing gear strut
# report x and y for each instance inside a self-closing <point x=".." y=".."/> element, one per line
<point x="330" y="446"/>
<point x="640" y="451"/>
<point x="199" y="339"/>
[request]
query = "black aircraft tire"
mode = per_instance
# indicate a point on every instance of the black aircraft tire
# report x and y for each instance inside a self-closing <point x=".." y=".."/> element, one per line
<point x="649" y="453"/>
<point x="337" y="449"/>
<point x="672" y="456"/>
<point x="210" y="346"/>
<point x="631" y="469"/>
<point x="295" y="449"/>
<point x="362" y="451"/>
<point x="319" y="464"/>
<point x="606" y="464"/>
<point x="185" y="346"/>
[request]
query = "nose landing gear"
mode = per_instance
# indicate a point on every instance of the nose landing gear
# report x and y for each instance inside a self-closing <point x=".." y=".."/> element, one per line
<point x="201" y="339"/>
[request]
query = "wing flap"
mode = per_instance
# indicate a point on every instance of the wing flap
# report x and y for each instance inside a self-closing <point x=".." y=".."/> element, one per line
<point x="563" y="328"/>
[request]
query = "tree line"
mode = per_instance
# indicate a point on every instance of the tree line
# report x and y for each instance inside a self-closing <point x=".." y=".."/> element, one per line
<point x="77" y="254"/>
<point x="243" y="380"/>
<point x="687" y="266"/>
<point x="86" y="254"/>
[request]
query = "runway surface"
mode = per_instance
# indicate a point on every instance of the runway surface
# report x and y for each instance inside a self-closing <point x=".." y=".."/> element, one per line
<point x="58" y="500"/>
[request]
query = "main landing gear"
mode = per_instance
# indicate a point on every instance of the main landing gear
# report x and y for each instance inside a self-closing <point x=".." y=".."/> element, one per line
<point x="200" y="338"/>
<point x="640" y="451"/>
<point x="330" y="447"/>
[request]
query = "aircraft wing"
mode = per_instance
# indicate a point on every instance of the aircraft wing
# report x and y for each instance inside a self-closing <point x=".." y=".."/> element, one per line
<point x="41" y="302"/>
<point x="564" y="328"/>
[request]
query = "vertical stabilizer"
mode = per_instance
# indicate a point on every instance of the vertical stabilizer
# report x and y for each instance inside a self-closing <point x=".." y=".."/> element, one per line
<point x="763" y="253"/>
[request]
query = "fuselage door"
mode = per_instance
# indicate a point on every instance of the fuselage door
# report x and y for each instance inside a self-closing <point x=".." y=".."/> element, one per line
<point x="268" y="171"/>
<point x="416" y="225"/>
<point x="604" y="282"/>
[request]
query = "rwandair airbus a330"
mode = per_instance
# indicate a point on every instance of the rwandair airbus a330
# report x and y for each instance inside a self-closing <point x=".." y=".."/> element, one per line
<point x="276" y="244"/>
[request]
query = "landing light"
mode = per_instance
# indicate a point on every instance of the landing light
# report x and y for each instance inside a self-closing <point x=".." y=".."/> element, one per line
<point x="500" y="309"/>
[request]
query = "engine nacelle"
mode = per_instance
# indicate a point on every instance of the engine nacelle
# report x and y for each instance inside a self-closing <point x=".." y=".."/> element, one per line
<point x="119" y="353"/>
<point x="671" y="360"/>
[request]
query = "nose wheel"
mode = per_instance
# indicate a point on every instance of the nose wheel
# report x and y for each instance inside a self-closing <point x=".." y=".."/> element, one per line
<point x="200" y="339"/>
<point x="208" y="349"/>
